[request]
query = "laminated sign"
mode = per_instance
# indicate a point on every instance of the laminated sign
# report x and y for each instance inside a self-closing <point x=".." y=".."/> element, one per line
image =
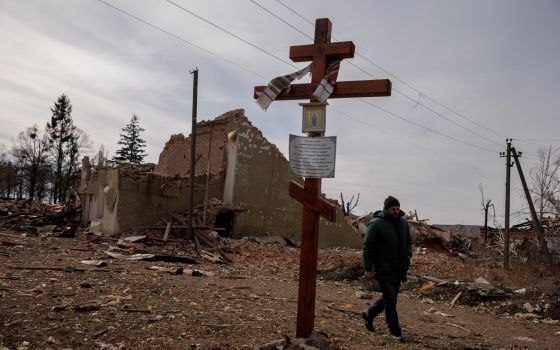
<point x="312" y="156"/>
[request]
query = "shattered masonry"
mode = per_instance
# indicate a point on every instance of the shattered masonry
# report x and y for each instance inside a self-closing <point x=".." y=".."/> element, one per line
<point x="234" y="163"/>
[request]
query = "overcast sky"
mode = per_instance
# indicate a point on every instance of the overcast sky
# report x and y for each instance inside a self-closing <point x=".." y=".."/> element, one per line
<point x="496" y="63"/>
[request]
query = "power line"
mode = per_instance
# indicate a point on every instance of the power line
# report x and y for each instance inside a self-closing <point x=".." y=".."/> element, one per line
<point x="426" y="128"/>
<point x="430" y="109"/>
<point x="402" y="81"/>
<point x="410" y="142"/>
<point x="281" y="19"/>
<point x="538" y="140"/>
<point x="241" y="67"/>
<point x="373" y="76"/>
<point x="184" y="41"/>
<point x="369" y="103"/>
<point x="230" y="33"/>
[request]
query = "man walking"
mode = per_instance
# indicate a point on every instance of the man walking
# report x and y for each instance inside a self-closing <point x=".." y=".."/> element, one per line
<point x="387" y="251"/>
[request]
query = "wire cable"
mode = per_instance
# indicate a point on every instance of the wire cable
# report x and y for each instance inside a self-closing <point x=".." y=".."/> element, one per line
<point x="373" y="76"/>
<point x="184" y="41"/>
<point x="402" y="81"/>
<point x="241" y="67"/>
<point x="230" y="33"/>
<point x="427" y="128"/>
<point x="369" y="103"/>
<point x="405" y="140"/>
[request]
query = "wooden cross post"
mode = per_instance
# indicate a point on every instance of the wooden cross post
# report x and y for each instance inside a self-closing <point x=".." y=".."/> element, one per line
<point x="322" y="52"/>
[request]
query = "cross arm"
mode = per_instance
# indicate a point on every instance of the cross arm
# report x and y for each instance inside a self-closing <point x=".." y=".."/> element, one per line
<point x="342" y="89"/>
<point x="338" y="50"/>
<point x="317" y="204"/>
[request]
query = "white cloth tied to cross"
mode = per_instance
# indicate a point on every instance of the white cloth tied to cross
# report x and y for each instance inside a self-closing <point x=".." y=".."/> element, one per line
<point x="326" y="86"/>
<point x="279" y="84"/>
<point x="283" y="83"/>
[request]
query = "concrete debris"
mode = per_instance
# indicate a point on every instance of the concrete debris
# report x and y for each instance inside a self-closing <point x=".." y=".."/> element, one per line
<point x="125" y="243"/>
<point x="199" y="273"/>
<point x="134" y="238"/>
<point x="151" y="257"/>
<point x="317" y="341"/>
<point x="538" y="309"/>
<point x="481" y="280"/>
<point x="525" y="339"/>
<point x="527" y="316"/>
<point x="120" y="256"/>
<point x="98" y="263"/>
<point x="95" y="228"/>
<point x="29" y="216"/>
<point x="528" y="307"/>
<point x="363" y="295"/>
<point x="439" y="313"/>
<point x="170" y="270"/>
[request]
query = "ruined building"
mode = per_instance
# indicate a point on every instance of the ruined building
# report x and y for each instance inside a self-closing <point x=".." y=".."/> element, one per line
<point x="235" y="164"/>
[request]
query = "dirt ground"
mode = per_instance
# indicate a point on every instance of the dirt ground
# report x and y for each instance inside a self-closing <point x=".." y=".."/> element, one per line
<point x="48" y="300"/>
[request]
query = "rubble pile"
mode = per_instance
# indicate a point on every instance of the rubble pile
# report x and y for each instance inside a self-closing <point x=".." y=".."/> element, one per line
<point x="176" y="298"/>
<point x="35" y="217"/>
<point x="423" y="234"/>
<point x="430" y="236"/>
<point x="495" y="298"/>
<point x="207" y="242"/>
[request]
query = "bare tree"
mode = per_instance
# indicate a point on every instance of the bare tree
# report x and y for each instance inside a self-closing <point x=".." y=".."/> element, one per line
<point x="555" y="201"/>
<point x="347" y="207"/>
<point x="7" y="174"/>
<point x="31" y="150"/>
<point x="545" y="182"/>
<point x="486" y="204"/>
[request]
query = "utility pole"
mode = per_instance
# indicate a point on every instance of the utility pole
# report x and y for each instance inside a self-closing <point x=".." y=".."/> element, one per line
<point x="486" y="207"/>
<point x="190" y="233"/>
<point x="507" y="154"/>
<point x="536" y="223"/>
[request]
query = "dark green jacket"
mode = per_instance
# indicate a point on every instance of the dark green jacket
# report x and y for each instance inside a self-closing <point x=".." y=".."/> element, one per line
<point x="385" y="252"/>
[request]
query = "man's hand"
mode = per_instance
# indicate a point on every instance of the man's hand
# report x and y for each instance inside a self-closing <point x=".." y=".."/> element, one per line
<point x="368" y="275"/>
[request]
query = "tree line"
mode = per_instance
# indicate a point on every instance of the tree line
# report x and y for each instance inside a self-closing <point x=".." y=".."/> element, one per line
<point x="44" y="162"/>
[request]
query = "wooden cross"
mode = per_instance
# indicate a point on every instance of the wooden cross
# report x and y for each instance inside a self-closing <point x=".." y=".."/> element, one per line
<point x="322" y="52"/>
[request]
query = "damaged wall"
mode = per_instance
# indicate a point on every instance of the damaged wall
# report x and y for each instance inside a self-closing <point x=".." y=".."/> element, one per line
<point x="102" y="198"/>
<point x="261" y="185"/>
<point x="122" y="199"/>
<point x="211" y="138"/>
<point x="152" y="199"/>
<point x="243" y="169"/>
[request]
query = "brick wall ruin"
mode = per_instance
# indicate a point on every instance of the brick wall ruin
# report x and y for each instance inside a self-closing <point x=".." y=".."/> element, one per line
<point x="235" y="163"/>
<point x="211" y="137"/>
<point x="256" y="178"/>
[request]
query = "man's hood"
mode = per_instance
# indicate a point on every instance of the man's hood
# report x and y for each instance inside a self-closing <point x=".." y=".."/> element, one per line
<point x="385" y="215"/>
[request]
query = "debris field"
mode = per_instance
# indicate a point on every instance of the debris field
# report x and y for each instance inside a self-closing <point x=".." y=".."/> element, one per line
<point x="86" y="291"/>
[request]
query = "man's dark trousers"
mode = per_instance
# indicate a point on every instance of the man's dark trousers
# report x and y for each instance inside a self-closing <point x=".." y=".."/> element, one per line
<point x="387" y="302"/>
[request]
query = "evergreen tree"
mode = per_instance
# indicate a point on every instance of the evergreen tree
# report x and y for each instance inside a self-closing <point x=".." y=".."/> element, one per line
<point x="66" y="141"/>
<point x="132" y="150"/>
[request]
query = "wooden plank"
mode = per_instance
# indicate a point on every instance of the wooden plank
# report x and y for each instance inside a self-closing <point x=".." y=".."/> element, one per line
<point x="342" y="89"/>
<point x="308" y="264"/>
<point x="317" y="204"/>
<point x="323" y="30"/>
<point x="167" y="230"/>
<point x="339" y="50"/>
